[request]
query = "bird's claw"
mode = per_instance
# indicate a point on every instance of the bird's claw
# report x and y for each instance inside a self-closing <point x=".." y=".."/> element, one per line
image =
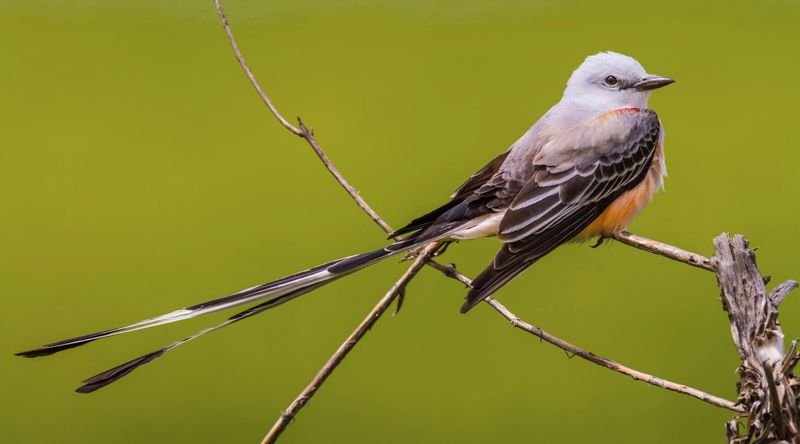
<point x="600" y="241"/>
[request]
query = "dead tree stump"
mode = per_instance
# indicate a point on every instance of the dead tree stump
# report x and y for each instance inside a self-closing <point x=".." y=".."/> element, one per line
<point x="767" y="387"/>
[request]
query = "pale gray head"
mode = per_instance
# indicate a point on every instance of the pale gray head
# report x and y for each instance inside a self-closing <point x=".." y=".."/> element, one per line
<point x="612" y="80"/>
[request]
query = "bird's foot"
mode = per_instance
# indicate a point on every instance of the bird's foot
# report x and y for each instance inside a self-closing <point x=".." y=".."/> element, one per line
<point x="601" y="240"/>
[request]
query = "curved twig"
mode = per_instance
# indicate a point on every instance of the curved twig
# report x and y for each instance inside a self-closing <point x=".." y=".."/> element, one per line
<point x="574" y="350"/>
<point x="301" y="130"/>
<point x="609" y="364"/>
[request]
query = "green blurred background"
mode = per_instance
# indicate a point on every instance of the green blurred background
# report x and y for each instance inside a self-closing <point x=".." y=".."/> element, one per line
<point x="140" y="173"/>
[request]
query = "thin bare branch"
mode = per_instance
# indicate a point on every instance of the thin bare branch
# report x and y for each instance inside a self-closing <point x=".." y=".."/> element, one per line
<point x="666" y="250"/>
<point x="451" y="272"/>
<point x="246" y="68"/>
<point x="301" y="130"/>
<point x="609" y="364"/>
<point x="573" y="350"/>
<point x="351" y="341"/>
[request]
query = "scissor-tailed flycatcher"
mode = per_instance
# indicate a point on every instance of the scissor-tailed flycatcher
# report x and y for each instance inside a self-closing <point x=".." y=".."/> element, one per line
<point x="586" y="168"/>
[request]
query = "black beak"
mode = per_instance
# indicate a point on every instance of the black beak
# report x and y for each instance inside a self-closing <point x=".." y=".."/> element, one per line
<point x="651" y="82"/>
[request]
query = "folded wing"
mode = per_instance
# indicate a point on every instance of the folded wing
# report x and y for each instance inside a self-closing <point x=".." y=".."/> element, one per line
<point x="575" y="177"/>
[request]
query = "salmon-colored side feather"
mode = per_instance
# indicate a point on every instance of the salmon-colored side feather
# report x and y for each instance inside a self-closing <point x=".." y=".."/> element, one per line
<point x="621" y="212"/>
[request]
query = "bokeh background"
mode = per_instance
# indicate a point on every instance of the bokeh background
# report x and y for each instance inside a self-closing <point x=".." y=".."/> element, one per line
<point x="140" y="173"/>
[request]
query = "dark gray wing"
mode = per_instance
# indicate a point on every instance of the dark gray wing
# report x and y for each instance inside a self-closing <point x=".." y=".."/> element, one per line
<point x="575" y="177"/>
<point x="480" y="178"/>
<point x="465" y="191"/>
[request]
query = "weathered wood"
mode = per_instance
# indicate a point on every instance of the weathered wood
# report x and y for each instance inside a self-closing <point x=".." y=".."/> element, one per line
<point x="767" y="387"/>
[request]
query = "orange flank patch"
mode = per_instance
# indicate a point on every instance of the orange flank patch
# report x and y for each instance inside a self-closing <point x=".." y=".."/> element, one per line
<point x="622" y="211"/>
<point x="614" y="113"/>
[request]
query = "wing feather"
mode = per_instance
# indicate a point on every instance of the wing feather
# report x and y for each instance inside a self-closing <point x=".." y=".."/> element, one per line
<point x="464" y="192"/>
<point x="575" y="178"/>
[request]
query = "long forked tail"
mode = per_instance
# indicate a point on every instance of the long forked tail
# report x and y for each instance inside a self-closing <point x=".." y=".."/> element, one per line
<point x="102" y="379"/>
<point x="279" y="291"/>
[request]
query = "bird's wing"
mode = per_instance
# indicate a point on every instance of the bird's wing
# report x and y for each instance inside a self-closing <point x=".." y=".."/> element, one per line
<point x="466" y="190"/>
<point x="480" y="177"/>
<point x="575" y="177"/>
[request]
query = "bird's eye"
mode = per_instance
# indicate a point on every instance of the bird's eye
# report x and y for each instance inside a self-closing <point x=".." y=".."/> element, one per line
<point x="611" y="81"/>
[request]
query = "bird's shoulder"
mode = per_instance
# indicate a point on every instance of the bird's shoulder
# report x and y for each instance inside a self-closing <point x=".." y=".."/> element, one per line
<point x="601" y="135"/>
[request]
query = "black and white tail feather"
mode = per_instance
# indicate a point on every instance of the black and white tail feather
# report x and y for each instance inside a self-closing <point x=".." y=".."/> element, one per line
<point x="464" y="207"/>
<point x="276" y="293"/>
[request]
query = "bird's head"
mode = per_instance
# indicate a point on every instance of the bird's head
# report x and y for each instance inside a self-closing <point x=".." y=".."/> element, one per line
<point x="614" y="80"/>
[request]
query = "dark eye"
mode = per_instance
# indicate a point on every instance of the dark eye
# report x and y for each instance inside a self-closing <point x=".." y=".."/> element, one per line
<point x="611" y="81"/>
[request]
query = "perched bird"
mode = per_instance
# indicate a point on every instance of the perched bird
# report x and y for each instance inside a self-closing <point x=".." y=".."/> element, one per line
<point x="586" y="168"/>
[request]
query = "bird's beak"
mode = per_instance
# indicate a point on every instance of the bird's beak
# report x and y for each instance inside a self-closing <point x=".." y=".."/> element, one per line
<point x="652" y="82"/>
